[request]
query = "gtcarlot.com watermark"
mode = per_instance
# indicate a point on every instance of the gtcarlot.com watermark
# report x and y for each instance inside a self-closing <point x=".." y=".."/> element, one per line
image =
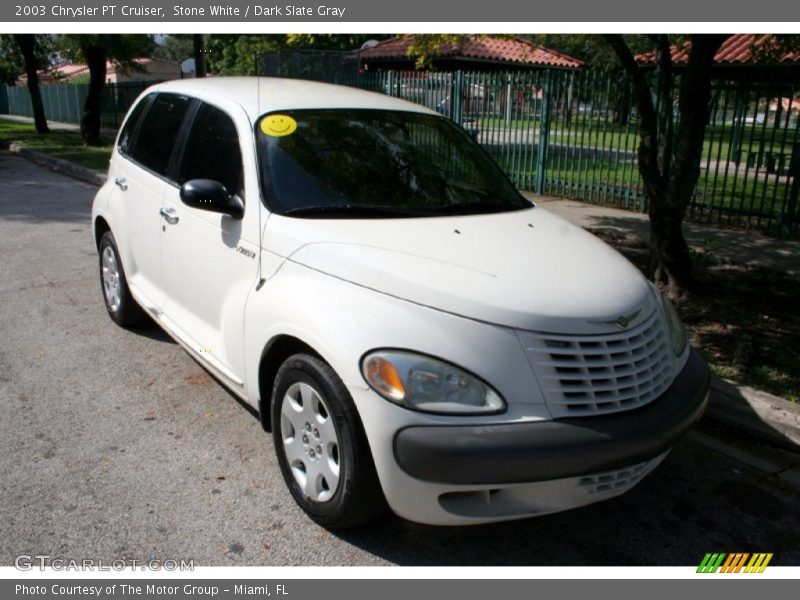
<point x="29" y="562"/>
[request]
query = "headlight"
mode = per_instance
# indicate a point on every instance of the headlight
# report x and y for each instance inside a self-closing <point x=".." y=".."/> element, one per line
<point x="677" y="334"/>
<point x="427" y="384"/>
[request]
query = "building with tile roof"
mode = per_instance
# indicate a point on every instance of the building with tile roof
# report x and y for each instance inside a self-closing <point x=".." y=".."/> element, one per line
<point x="474" y="53"/>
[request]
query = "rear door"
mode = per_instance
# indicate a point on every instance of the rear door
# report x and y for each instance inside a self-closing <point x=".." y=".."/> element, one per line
<point x="144" y="154"/>
<point x="209" y="259"/>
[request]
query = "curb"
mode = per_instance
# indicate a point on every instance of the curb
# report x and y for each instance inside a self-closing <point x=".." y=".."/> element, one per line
<point x="59" y="165"/>
<point x="758" y="414"/>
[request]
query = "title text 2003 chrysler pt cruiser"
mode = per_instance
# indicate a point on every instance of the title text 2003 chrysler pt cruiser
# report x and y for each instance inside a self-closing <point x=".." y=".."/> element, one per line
<point x="410" y="328"/>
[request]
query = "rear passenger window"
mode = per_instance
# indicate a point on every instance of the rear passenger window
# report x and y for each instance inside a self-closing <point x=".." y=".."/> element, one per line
<point x="126" y="136"/>
<point x="212" y="150"/>
<point x="158" y="132"/>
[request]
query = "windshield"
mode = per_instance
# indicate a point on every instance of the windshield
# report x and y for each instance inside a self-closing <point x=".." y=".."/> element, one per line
<point x="376" y="163"/>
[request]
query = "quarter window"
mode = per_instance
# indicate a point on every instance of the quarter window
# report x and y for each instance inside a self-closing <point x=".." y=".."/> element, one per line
<point x="158" y="132"/>
<point x="212" y="150"/>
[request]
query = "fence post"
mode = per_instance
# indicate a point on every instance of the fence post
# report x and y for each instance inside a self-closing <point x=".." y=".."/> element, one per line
<point x="457" y="98"/>
<point x="739" y="115"/>
<point x="508" y="101"/>
<point x="390" y="84"/>
<point x="794" y="172"/>
<point x="4" y="100"/>
<point x="544" y="134"/>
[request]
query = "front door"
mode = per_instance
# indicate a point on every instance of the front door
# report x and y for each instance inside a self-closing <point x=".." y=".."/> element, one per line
<point x="209" y="267"/>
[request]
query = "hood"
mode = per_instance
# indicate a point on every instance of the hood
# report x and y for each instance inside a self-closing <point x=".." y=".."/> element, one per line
<point x="526" y="269"/>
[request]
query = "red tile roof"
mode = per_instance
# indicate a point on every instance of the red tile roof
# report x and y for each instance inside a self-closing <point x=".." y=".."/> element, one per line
<point x="736" y="50"/>
<point x="490" y="49"/>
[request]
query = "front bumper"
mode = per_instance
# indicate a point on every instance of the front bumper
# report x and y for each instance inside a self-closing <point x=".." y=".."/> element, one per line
<point x="481" y="455"/>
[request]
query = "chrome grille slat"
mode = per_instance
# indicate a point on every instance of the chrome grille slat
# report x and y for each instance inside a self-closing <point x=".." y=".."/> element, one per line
<point x="599" y="374"/>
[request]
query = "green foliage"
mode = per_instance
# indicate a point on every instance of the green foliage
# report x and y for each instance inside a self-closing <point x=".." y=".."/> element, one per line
<point x="176" y="48"/>
<point x="12" y="64"/>
<point x="236" y="54"/>
<point x="425" y="47"/>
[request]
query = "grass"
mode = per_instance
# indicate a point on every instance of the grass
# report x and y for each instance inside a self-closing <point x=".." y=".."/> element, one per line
<point x="744" y="320"/>
<point x="67" y="145"/>
<point x="597" y="133"/>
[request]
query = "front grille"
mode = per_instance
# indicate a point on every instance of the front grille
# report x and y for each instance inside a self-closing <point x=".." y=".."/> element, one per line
<point x="599" y="374"/>
<point x="620" y="479"/>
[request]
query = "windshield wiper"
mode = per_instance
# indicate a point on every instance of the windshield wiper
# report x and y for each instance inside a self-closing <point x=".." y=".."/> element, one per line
<point x="348" y="210"/>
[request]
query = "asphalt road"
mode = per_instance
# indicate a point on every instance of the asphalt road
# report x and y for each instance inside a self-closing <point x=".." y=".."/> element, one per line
<point x="115" y="444"/>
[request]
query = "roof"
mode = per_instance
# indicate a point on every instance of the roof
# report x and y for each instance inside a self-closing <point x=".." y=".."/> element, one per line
<point x="259" y="95"/>
<point x="478" y="48"/>
<point x="739" y="49"/>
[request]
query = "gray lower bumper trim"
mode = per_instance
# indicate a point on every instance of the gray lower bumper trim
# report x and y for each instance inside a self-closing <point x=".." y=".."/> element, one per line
<point x="529" y="452"/>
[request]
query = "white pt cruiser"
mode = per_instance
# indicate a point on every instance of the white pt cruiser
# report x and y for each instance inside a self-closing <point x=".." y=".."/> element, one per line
<point x="411" y="329"/>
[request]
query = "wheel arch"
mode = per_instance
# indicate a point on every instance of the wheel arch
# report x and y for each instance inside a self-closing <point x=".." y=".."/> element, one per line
<point x="277" y="350"/>
<point x="100" y="227"/>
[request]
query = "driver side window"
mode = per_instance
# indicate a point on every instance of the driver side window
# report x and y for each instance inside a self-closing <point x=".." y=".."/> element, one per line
<point x="213" y="151"/>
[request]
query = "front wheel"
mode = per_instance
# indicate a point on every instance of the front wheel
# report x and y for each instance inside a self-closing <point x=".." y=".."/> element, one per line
<point x="321" y="447"/>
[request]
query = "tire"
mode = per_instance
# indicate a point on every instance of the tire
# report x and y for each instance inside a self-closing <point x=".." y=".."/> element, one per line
<point x="312" y="411"/>
<point x="121" y="306"/>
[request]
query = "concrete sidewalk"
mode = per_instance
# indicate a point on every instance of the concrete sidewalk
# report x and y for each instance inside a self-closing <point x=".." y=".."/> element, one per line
<point x="729" y="246"/>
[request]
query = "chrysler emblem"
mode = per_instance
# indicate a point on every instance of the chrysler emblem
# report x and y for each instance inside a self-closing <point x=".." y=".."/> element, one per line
<point x="620" y="322"/>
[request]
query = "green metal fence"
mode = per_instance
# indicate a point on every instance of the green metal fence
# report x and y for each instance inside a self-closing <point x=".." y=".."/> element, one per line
<point x="64" y="102"/>
<point x="574" y="134"/>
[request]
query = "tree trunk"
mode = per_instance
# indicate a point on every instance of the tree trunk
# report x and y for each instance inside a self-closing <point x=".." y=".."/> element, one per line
<point x="670" y="163"/>
<point x="693" y="106"/>
<point x="622" y="105"/>
<point x="199" y="51"/>
<point x="27" y="45"/>
<point x="90" y="119"/>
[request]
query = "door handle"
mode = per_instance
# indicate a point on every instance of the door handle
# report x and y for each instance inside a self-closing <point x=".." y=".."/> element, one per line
<point x="120" y="183"/>
<point x="169" y="215"/>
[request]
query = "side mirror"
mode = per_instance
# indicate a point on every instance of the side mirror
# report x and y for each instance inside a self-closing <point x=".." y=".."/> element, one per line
<point x="211" y="195"/>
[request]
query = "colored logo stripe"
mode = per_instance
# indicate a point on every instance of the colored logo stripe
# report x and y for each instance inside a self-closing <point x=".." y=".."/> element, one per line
<point x="711" y="563"/>
<point x="734" y="562"/>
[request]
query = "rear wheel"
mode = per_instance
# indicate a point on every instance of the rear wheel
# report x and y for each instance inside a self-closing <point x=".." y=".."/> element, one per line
<point x="121" y="306"/>
<point x="321" y="447"/>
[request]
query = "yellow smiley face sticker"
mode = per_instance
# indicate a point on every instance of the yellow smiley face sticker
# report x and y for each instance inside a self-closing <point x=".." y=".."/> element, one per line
<point x="278" y="125"/>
